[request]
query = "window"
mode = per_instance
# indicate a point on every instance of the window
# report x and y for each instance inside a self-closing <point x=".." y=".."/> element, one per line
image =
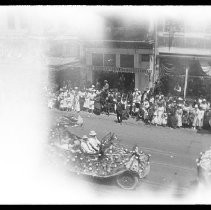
<point x="97" y="59"/>
<point x="127" y="61"/>
<point x="144" y="57"/>
<point x="109" y="60"/>
<point x="174" y="26"/>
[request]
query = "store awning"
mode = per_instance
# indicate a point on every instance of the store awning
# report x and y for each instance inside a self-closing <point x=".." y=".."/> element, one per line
<point x="117" y="69"/>
<point x="176" y="67"/>
<point x="61" y="63"/>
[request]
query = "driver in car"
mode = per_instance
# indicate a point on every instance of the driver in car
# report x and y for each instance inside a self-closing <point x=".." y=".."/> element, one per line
<point x="90" y="145"/>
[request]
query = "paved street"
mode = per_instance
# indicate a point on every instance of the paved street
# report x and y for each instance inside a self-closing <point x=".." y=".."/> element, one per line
<point x="173" y="151"/>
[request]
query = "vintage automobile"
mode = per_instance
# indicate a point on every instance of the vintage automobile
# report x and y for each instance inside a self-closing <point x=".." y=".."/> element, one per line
<point x="126" y="166"/>
<point x="204" y="167"/>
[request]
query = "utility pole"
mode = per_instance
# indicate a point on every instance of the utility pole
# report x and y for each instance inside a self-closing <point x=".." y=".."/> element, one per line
<point x="186" y="80"/>
<point x="154" y="51"/>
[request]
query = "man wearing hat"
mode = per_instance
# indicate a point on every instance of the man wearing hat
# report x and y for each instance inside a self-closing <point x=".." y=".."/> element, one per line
<point x="119" y="110"/>
<point x="98" y="85"/>
<point x="106" y="86"/>
<point x="91" y="145"/>
<point x="177" y="90"/>
<point x="85" y="147"/>
<point x="204" y="105"/>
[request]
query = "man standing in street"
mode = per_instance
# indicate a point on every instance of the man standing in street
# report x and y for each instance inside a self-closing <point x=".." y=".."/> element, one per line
<point x="119" y="110"/>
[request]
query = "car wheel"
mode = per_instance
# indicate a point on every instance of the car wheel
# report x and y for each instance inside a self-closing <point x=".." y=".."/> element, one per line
<point x="127" y="180"/>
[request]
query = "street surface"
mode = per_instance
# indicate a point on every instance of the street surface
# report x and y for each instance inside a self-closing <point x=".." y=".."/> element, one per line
<point x="173" y="151"/>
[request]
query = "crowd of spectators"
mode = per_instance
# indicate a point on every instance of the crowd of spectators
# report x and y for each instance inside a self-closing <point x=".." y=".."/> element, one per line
<point x="152" y="108"/>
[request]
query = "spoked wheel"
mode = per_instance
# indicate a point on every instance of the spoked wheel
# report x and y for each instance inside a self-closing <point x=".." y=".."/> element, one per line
<point x="127" y="180"/>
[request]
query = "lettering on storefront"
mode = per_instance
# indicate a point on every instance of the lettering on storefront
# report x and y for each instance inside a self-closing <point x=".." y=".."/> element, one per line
<point x="117" y="69"/>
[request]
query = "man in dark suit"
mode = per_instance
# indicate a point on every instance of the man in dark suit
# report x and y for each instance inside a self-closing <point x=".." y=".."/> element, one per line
<point x="119" y="110"/>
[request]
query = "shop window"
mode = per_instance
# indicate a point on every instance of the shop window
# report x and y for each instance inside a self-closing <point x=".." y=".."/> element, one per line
<point x="110" y="60"/>
<point x="127" y="61"/>
<point x="145" y="58"/>
<point x="97" y="59"/>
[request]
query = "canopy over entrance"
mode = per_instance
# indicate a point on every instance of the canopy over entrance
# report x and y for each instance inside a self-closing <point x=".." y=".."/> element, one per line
<point x="173" y="73"/>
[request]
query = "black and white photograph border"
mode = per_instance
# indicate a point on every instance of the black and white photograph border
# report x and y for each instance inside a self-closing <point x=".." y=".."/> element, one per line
<point x="105" y="104"/>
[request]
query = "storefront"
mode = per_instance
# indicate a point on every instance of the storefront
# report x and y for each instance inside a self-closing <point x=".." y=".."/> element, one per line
<point x="174" y="71"/>
<point x="65" y="71"/>
<point x="127" y="66"/>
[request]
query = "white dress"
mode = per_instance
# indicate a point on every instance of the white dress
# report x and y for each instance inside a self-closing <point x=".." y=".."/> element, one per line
<point x="76" y="103"/>
<point x="87" y="101"/>
<point x="91" y="101"/>
<point x="179" y="113"/>
<point x="158" y="116"/>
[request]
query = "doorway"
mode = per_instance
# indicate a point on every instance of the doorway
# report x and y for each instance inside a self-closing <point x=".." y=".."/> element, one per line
<point x="117" y="80"/>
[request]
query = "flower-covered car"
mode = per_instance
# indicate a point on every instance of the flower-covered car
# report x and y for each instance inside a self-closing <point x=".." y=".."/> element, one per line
<point x="204" y="167"/>
<point x="126" y="166"/>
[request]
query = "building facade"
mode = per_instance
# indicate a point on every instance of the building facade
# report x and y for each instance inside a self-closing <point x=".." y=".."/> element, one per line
<point x="183" y="48"/>
<point x="65" y="60"/>
<point x="127" y="64"/>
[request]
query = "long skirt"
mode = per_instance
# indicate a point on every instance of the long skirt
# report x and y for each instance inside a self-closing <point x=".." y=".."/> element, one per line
<point x="91" y="104"/>
<point x="86" y="103"/>
<point x="97" y="108"/>
<point x="172" y="121"/>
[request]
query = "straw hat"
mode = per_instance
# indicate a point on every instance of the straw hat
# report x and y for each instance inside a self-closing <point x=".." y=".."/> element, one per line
<point x="92" y="133"/>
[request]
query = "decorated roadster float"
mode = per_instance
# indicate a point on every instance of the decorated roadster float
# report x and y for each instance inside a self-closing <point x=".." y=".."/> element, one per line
<point x="204" y="167"/>
<point x="126" y="166"/>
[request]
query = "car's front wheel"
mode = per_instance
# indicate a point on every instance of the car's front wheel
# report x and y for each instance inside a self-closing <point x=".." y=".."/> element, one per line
<point x="127" y="180"/>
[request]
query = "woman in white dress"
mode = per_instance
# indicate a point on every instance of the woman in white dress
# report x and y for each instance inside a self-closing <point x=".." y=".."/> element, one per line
<point x="76" y="102"/>
<point x="200" y="118"/>
<point x="87" y="100"/>
<point x="158" y="115"/>
<point x="70" y="101"/>
<point x="91" y="100"/>
<point x="196" y="118"/>
<point x="179" y="113"/>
